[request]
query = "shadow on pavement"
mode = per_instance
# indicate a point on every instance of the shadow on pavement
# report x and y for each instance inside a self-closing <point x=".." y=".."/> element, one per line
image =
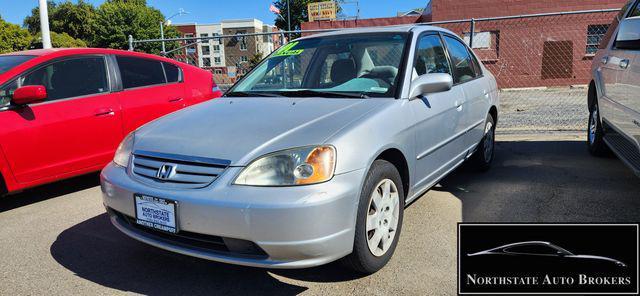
<point x="44" y="192"/>
<point x="546" y="181"/>
<point x="97" y="251"/>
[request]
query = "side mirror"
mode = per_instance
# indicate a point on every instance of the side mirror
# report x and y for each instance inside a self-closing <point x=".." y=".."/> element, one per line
<point x="430" y="83"/>
<point x="29" y="94"/>
<point x="629" y="34"/>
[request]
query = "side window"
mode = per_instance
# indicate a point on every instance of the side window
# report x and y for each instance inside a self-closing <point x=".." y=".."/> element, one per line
<point x="173" y="72"/>
<point x="614" y="25"/>
<point x="430" y="56"/>
<point x="71" y="78"/>
<point x="138" y="72"/>
<point x="635" y="11"/>
<point x="532" y="249"/>
<point x="461" y="60"/>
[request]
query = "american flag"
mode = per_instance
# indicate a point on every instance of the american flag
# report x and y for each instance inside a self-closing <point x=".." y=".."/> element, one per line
<point x="274" y="9"/>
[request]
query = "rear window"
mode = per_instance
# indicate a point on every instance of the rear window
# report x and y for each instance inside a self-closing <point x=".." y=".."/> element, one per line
<point x="138" y="72"/>
<point x="8" y="62"/>
<point x="173" y="72"/>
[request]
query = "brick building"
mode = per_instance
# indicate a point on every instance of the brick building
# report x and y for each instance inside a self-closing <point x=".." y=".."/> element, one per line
<point x="522" y="52"/>
<point x="227" y="58"/>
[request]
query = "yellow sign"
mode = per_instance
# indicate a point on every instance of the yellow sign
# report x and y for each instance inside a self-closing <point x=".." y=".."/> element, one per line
<point x="322" y="11"/>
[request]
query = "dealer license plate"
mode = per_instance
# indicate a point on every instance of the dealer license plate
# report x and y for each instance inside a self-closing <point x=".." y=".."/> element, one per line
<point x="154" y="212"/>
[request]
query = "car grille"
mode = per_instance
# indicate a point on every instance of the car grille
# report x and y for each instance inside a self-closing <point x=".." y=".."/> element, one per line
<point x="187" y="172"/>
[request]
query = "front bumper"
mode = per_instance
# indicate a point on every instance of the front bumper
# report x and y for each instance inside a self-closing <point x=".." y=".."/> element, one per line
<point x="296" y="227"/>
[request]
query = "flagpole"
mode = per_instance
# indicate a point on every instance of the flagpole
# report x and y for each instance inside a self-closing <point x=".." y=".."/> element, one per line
<point x="289" y="19"/>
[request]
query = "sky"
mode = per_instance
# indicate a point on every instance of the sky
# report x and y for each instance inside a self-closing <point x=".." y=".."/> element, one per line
<point x="213" y="11"/>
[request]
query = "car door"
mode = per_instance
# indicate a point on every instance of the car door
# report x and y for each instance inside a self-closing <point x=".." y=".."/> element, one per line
<point x="613" y="70"/>
<point x="629" y="86"/>
<point x="468" y="74"/>
<point x="77" y="127"/>
<point x="438" y="122"/>
<point x="630" y="99"/>
<point x="146" y="95"/>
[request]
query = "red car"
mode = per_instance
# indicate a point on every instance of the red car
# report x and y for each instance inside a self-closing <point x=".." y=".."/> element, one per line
<point x="63" y="112"/>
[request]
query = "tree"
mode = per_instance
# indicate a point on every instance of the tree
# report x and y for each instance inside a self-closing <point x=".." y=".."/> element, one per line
<point x="58" y="40"/>
<point x="75" y="19"/>
<point x="299" y="13"/>
<point x="255" y="59"/>
<point x="117" y="19"/>
<point x="13" y="37"/>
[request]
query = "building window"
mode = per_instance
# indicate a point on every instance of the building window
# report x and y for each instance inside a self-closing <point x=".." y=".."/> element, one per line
<point x="204" y="35"/>
<point x="206" y="50"/>
<point x="244" y="59"/>
<point x="595" y="34"/>
<point x="206" y="62"/>
<point x="481" y="40"/>
<point x="217" y="71"/>
<point x="216" y="48"/>
<point x="242" y="40"/>
<point x="217" y="60"/>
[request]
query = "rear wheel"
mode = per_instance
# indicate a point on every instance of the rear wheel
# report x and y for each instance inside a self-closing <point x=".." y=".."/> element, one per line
<point x="379" y="220"/>
<point x="483" y="157"/>
<point x="595" y="133"/>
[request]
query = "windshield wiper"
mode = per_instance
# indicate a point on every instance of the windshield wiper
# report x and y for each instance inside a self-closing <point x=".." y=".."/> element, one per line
<point x="319" y="93"/>
<point x="250" y="94"/>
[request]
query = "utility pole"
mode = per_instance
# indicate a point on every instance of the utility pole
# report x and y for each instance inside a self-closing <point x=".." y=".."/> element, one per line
<point x="288" y="19"/>
<point x="44" y="24"/>
<point x="162" y="36"/>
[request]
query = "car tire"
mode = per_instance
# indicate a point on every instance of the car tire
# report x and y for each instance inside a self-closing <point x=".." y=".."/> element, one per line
<point x="380" y="213"/>
<point x="482" y="159"/>
<point x="595" y="133"/>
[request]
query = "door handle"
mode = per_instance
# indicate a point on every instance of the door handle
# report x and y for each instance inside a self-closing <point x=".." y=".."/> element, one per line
<point x="458" y="105"/>
<point x="105" y="112"/>
<point x="624" y="64"/>
<point x="173" y="100"/>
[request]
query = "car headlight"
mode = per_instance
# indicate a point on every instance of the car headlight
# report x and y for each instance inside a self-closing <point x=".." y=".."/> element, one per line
<point x="298" y="166"/>
<point x="123" y="153"/>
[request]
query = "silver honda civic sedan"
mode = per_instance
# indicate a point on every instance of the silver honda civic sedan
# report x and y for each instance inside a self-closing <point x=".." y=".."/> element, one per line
<point x="313" y="155"/>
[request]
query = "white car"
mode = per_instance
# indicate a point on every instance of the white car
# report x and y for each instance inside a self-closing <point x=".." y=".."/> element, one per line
<point x="316" y="165"/>
<point x="614" y="92"/>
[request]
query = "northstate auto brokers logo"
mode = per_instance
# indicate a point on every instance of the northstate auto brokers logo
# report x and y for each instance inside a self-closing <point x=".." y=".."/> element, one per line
<point x="558" y="264"/>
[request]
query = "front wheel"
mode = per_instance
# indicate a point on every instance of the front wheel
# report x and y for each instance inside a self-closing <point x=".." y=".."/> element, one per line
<point x="379" y="219"/>
<point x="595" y="133"/>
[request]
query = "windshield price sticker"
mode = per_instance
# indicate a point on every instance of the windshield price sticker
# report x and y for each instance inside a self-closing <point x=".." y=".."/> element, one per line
<point x="288" y="50"/>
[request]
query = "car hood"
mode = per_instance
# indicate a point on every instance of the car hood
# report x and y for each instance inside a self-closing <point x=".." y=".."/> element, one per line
<point x="241" y="129"/>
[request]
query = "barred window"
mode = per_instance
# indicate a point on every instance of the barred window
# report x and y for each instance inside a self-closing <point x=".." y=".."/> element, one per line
<point x="206" y="62"/>
<point x="595" y="35"/>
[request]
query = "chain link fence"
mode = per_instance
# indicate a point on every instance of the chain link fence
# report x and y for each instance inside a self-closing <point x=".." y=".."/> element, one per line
<point x="541" y="62"/>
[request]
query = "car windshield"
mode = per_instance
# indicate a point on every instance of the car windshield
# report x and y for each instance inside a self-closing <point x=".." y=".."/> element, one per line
<point x="355" y="65"/>
<point x="8" y="62"/>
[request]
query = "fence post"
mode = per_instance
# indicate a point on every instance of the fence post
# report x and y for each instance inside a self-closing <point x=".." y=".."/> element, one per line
<point x="130" y="42"/>
<point x="473" y="32"/>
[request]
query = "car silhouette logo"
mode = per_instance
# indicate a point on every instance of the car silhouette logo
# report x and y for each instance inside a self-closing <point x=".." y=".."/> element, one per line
<point x="541" y="249"/>
<point x="166" y="171"/>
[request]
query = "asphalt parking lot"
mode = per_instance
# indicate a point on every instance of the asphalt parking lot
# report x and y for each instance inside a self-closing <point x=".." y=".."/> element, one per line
<point x="56" y="239"/>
